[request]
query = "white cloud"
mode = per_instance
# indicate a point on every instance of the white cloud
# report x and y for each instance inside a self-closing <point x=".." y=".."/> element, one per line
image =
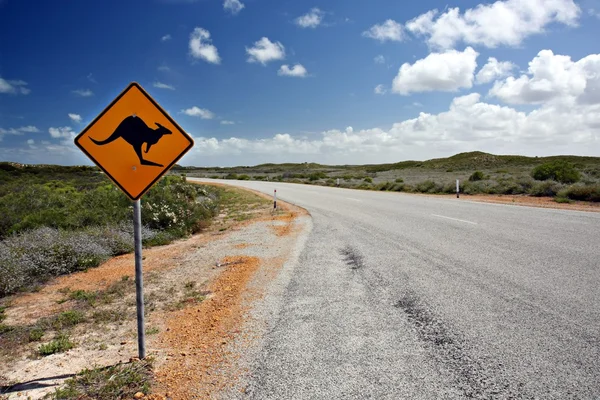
<point x="389" y="30"/>
<point x="312" y="19"/>
<point x="447" y="72"/>
<point x="161" y="85"/>
<point x="199" y="112"/>
<point x="201" y="46"/>
<point x="18" y="131"/>
<point x="90" y="77"/>
<point x="30" y="141"/>
<point x="65" y="132"/>
<point x="297" y="71"/>
<point x="494" y="70"/>
<point x="225" y="122"/>
<point x="163" y="68"/>
<point x="468" y="124"/>
<point x="506" y="22"/>
<point x="380" y="89"/>
<point x="264" y="51"/>
<point x="553" y="78"/>
<point x="75" y="117"/>
<point x="165" y="38"/>
<point x="380" y="59"/>
<point x="233" y="6"/>
<point x="83" y="92"/>
<point x="14" y="87"/>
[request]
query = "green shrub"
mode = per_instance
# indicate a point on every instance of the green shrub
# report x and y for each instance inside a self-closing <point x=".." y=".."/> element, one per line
<point x="61" y="343"/>
<point x="427" y="186"/>
<point x="560" y="171"/>
<point x="316" y="176"/>
<point x="244" y="177"/>
<point x="231" y="176"/>
<point x="545" y="188"/>
<point x="399" y="180"/>
<point x="36" y="334"/>
<point x="582" y="193"/>
<point x="368" y="179"/>
<point x="67" y="319"/>
<point x="477" y="176"/>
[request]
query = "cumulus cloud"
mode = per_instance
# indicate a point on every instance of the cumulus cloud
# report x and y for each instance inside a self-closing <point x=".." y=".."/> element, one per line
<point x="75" y="117"/>
<point x="18" y="131"/>
<point x="233" y="6"/>
<point x="553" y="78"/>
<point x="389" y="30"/>
<point x="65" y="132"/>
<point x="312" y="19"/>
<point x="161" y="85"/>
<point x="265" y="51"/>
<point x="506" y="22"/>
<point x="165" y="38"/>
<point x="201" y="46"/>
<point x="447" y="72"/>
<point x="226" y="122"/>
<point x="199" y="112"/>
<point x="297" y="71"/>
<point x="468" y="124"/>
<point x="14" y="87"/>
<point x="380" y="89"/>
<point x="83" y="92"/>
<point x="380" y="59"/>
<point x="494" y="70"/>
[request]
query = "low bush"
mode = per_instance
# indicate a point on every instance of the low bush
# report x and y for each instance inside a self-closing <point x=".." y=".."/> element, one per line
<point x="582" y="193"/>
<point x="560" y="171"/>
<point x="399" y="180"/>
<point x="477" y="176"/>
<point x="545" y="189"/>
<point x="368" y="179"/>
<point x="59" y="344"/>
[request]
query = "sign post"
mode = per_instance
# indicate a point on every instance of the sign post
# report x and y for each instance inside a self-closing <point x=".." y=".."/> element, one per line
<point x="118" y="141"/>
<point x="457" y="189"/>
<point x="139" y="279"/>
<point x="275" y="200"/>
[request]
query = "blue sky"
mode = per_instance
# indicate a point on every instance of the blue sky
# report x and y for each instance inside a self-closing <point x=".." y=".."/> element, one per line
<point x="332" y="81"/>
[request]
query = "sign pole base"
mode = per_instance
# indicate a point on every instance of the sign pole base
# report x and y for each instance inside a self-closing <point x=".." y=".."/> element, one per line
<point x="139" y="282"/>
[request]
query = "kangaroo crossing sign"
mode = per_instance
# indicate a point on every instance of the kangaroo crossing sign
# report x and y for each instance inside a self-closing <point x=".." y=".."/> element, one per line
<point x="134" y="141"/>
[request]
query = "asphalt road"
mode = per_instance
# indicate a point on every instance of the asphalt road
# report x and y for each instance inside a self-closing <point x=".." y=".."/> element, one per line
<point x="398" y="296"/>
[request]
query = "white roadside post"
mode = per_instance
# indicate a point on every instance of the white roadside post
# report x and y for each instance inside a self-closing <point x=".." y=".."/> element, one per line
<point x="275" y="200"/>
<point x="457" y="189"/>
<point x="338" y="181"/>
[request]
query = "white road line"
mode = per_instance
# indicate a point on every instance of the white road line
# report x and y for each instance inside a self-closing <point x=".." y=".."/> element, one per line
<point x="353" y="199"/>
<point x="455" y="219"/>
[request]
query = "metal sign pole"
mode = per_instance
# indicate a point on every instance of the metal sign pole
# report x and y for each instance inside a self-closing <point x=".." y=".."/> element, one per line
<point x="139" y="283"/>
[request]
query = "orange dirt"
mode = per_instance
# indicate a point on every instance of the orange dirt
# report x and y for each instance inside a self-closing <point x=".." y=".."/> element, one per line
<point x="200" y="335"/>
<point x="543" y="202"/>
<point x="27" y="308"/>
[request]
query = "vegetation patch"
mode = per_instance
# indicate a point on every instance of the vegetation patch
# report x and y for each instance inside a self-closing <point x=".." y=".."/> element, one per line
<point x="121" y="381"/>
<point x="59" y="344"/>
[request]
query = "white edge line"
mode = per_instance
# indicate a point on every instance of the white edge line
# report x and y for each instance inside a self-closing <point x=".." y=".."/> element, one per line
<point x="454" y="219"/>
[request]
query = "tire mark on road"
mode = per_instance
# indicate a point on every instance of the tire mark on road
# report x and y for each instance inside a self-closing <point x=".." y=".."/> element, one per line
<point x="353" y="257"/>
<point x="471" y="377"/>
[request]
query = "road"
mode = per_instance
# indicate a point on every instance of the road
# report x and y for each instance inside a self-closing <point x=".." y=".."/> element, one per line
<point x="398" y="296"/>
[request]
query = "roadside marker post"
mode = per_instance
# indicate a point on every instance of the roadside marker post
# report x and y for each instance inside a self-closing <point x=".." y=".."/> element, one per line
<point x="275" y="200"/>
<point x="338" y="181"/>
<point x="115" y="140"/>
<point x="457" y="189"/>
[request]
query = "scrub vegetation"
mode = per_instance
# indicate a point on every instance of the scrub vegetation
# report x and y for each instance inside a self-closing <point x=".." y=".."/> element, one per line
<point x="566" y="178"/>
<point x="57" y="220"/>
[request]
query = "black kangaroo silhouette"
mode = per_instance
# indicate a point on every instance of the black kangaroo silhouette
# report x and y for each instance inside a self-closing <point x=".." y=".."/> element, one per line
<point x="135" y="132"/>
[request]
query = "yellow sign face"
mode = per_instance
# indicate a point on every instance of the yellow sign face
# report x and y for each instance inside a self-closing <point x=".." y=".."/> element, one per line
<point x="134" y="141"/>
